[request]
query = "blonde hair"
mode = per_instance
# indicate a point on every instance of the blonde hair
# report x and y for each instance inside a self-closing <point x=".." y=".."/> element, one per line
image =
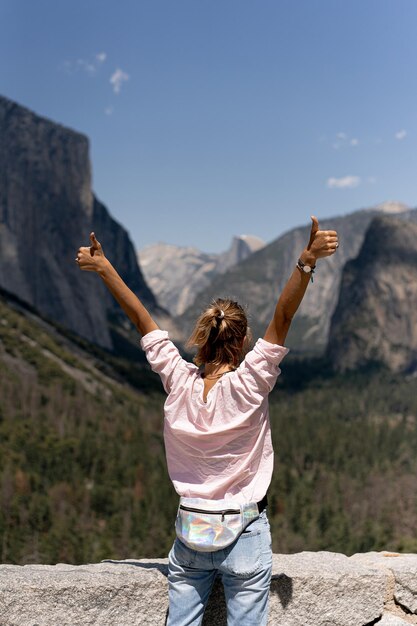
<point x="221" y="334"/>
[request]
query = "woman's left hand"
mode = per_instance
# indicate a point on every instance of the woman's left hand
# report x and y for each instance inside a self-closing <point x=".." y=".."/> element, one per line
<point x="322" y="242"/>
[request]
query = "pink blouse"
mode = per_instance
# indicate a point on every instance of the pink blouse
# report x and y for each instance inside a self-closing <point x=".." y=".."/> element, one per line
<point x="222" y="448"/>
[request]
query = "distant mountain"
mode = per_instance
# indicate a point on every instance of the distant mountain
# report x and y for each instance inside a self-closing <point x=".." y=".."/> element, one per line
<point x="47" y="210"/>
<point x="376" y="315"/>
<point x="176" y="274"/>
<point x="391" y="207"/>
<point x="241" y="248"/>
<point x="257" y="281"/>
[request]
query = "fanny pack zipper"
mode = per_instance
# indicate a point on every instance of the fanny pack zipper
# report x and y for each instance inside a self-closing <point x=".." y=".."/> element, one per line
<point x="222" y="513"/>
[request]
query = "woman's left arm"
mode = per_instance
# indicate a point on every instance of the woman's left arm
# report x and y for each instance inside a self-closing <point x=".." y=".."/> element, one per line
<point x="322" y="243"/>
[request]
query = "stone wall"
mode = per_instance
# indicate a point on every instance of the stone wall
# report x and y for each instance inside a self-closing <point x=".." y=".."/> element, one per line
<point x="307" y="589"/>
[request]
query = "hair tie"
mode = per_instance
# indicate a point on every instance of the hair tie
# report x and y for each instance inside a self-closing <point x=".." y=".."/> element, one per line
<point x="221" y="314"/>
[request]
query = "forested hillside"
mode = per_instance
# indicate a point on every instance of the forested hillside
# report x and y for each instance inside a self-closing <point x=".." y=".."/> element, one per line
<point x="345" y="470"/>
<point x="82" y="465"/>
<point x="83" y="474"/>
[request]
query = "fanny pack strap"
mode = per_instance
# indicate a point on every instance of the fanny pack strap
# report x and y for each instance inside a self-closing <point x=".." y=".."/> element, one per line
<point x="261" y="505"/>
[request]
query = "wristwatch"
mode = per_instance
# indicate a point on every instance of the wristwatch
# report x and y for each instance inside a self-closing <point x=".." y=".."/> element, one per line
<point x="308" y="269"/>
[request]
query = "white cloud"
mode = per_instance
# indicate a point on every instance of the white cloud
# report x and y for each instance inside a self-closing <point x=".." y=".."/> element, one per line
<point x="343" y="140"/>
<point x="401" y="134"/>
<point x="372" y="180"/>
<point x="117" y="79"/>
<point x="108" y="110"/>
<point x="346" y="182"/>
<point x="86" y="65"/>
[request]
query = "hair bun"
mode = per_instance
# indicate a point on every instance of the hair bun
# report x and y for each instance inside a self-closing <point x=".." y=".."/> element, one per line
<point x="220" y="334"/>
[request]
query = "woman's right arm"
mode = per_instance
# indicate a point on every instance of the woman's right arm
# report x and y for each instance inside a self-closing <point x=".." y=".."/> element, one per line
<point x="323" y="243"/>
<point x="92" y="259"/>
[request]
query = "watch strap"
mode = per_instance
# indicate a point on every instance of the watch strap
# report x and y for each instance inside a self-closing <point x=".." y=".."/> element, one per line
<point x="302" y="265"/>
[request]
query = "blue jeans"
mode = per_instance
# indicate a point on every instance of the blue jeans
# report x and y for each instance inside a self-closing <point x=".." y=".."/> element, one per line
<point x="245" y="569"/>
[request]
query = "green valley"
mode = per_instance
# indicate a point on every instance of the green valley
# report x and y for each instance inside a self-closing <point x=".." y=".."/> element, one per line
<point x="82" y="467"/>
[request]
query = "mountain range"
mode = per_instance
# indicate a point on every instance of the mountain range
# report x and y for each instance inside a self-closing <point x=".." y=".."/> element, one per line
<point x="47" y="210"/>
<point x="176" y="274"/>
<point x="257" y="281"/>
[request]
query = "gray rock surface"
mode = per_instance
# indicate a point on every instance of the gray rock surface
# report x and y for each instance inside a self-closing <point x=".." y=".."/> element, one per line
<point x="404" y="572"/>
<point x="125" y="593"/>
<point x="326" y="589"/>
<point x="392" y="620"/>
<point x="376" y="315"/>
<point x="47" y="210"/>
<point x="307" y="589"/>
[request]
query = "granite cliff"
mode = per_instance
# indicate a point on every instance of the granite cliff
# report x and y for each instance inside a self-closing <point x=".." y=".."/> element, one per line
<point x="47" y="210"/>
<point x="376" y="316"/>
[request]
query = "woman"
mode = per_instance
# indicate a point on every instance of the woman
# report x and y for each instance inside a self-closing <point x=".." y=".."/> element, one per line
<point x="218" y="439"/>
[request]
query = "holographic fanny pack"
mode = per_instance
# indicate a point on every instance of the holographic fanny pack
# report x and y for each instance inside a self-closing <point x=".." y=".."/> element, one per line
<point x="210" y="525"/>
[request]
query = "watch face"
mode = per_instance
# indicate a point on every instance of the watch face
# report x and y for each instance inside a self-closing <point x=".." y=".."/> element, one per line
<point x="307" y="269"/>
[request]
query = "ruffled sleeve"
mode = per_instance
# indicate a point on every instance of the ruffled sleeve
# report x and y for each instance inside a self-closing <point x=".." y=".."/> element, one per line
<point x="164" y="358"/>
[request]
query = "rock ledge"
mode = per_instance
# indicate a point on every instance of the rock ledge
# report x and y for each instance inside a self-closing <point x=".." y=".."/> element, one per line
<point x="307" y="589"/>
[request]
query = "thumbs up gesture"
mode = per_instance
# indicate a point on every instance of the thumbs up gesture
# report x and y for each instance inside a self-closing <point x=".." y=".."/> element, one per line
<point x="91" y="258"/>
<point x="322" y="243"/>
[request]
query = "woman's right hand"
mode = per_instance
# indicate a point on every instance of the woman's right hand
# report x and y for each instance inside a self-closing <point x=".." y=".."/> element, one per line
<point x="91" y="258"/>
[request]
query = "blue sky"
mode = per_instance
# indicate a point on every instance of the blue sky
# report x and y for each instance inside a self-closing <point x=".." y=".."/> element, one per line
<point x="209" y="118"/>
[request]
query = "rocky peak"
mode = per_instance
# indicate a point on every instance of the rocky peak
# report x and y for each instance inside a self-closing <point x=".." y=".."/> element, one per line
<point x="391" y="207"/>
<point x="376" y="316"/>
<point x="241" y="247"/>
